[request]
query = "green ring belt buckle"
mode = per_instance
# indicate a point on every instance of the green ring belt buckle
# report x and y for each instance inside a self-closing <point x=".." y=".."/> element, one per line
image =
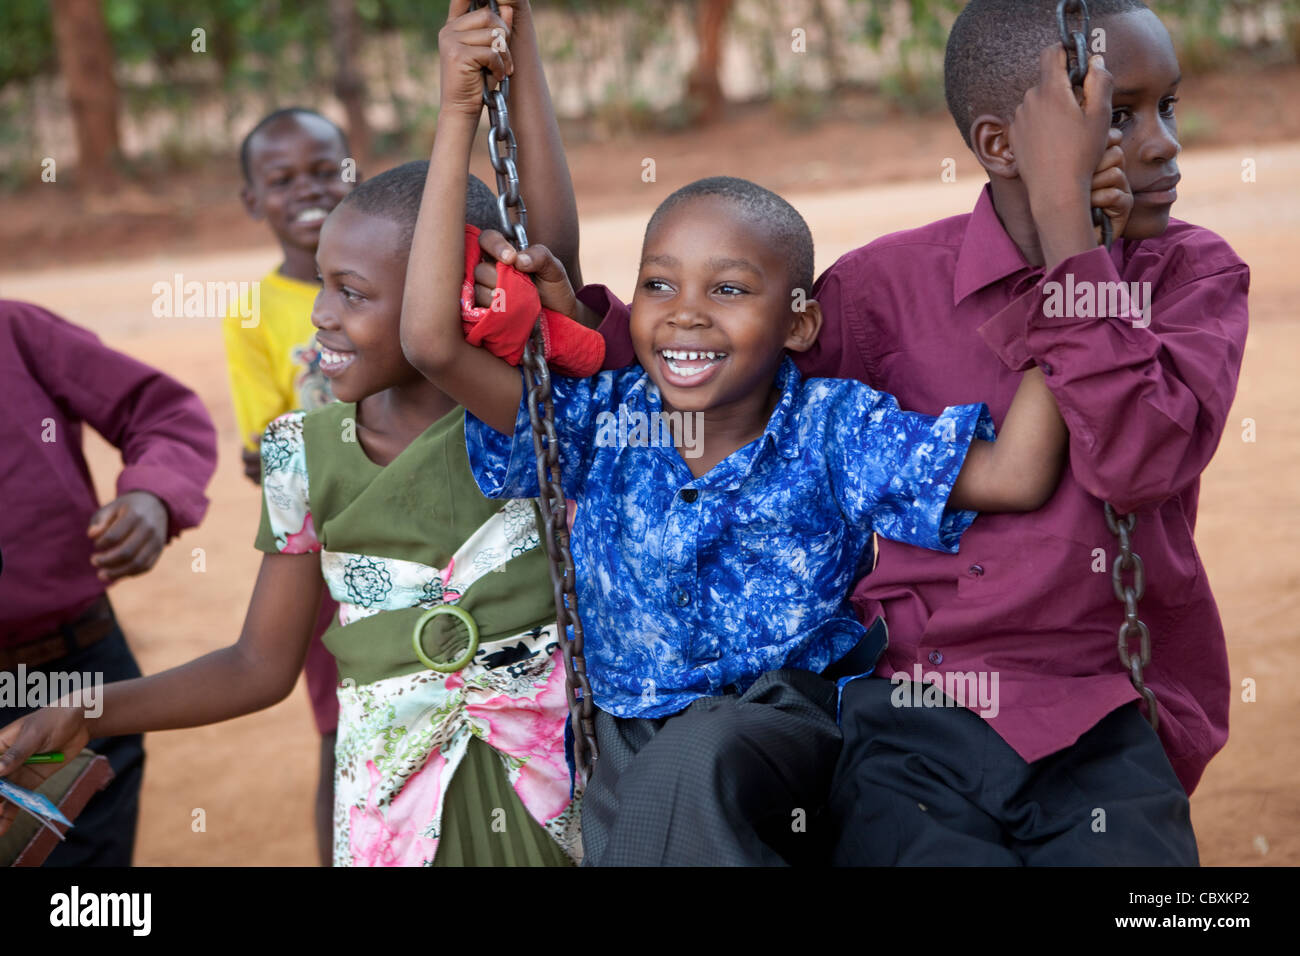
<point x="463" y="616"/>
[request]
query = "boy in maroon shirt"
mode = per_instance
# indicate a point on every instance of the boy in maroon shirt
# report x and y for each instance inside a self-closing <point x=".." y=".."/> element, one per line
<point x="1066" y="769"/>
<point x="61" y="550"/>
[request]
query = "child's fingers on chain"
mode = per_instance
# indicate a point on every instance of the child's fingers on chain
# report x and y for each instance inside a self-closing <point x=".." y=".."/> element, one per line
<point x="1112" y="177"/>
<point x="478" y="19"/>
<point x="483" y="295"/>
<point x="1098" y="87"/>
<point x="503" y="64"/>
<point x="507" y="8"/>
<point x="496" y="245"/>
<point x="1112" y="158"/>
<point x="488" y="30"/>
<point x="457" y="8"/>
<point x="1052" y="72"/>
<point x="1111" y="201"/>
<point x="537" y="259"/>
<point x="485" y="273"/>
<point x="488" y="49"/>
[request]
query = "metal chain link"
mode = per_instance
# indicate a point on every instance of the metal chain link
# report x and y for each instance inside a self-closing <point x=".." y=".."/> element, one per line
<point x="1121" y="526"/>
<point x="1129" y="593"/>
<point x="503" y="151"/>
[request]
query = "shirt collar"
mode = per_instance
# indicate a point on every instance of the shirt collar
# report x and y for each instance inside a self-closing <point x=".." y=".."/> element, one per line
<point x="987" y="253"/>
<point x="782" y="430"/>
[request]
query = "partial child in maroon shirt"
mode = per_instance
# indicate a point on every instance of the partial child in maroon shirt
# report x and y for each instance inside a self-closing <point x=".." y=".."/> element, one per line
<point x="1051" y="760"/>
<point x="60" y="549"/>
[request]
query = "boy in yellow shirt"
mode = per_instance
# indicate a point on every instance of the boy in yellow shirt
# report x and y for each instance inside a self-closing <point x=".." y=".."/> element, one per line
<point x="296" y="170"/>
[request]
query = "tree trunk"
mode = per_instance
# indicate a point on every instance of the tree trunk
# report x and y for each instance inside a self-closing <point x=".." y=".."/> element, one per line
<point x="349" y="87"/>
<point x="86" y="63"/>
<point x="703" y="90"/>
<point x="823" y="17"/>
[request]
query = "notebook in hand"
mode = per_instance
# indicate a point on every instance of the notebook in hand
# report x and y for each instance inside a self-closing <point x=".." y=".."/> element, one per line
<point x="34" y="834"/>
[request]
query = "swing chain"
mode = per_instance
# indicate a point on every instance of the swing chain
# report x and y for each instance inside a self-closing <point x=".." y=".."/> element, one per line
<point x="503" y="152"/>
<point x="1121" y="526"/>
<point x="1076" y="54"/>
<point x="1129" y="593"/>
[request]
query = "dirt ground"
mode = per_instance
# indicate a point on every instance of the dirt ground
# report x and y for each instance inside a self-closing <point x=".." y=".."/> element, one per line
<point x="850" y="140"/>
<point x="254" y="777"/>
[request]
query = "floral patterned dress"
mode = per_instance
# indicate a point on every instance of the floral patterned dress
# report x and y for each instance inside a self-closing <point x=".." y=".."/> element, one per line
<point x="432" y="768"/>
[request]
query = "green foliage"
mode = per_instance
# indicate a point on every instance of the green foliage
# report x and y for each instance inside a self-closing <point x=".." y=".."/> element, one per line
<point x="26" y="41"/>
<point x="1208" y="32"/>
<point x="926" y="25"/>
<point x="261" y="53"/>
<point x="915" y="83"/>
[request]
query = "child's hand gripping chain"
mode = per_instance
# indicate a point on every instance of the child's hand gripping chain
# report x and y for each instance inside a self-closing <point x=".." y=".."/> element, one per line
<point x="513" y="306"/>
<point x="1065" y="152"/>
<point x="432" y="327"/>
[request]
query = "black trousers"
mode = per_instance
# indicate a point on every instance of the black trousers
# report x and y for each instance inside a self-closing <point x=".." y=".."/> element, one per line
<point x="731" y="780"/>
<point x="104" y="833"/>
<point x="937" y="786"/>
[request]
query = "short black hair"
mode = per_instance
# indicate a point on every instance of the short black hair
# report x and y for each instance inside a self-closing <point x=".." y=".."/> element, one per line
<point x="784" y="226"/>
<point x="993" y="50"/>
<point x="395" y="195"/>
<point x="270" y="119"/>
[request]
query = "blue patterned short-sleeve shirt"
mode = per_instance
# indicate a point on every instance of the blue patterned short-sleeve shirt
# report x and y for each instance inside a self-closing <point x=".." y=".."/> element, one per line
<point x="691" y="585"/>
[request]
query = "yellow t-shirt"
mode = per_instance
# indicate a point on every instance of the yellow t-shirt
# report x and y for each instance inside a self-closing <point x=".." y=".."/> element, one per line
<point x="274" y="362"/>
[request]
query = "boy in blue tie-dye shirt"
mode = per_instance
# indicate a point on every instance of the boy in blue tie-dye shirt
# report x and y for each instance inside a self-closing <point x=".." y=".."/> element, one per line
<point x="712" y="574"/>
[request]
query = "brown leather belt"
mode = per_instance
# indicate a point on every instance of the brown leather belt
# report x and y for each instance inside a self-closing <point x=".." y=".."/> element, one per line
<point x="89" y="628"/>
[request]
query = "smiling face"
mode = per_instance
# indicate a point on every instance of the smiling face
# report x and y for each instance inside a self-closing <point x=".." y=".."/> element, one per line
<point x="296" y="178"/>
<point x="358" y="311"/>
<point x="712" y="313"/>
<point x="1140" y="56"/>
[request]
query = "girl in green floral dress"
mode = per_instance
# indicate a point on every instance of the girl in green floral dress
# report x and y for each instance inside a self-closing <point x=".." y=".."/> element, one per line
<point x="373" y="496"/>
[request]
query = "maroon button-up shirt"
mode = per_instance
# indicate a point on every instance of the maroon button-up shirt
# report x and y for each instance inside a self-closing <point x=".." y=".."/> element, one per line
<point x="951" y="313"/>
<point x="54" y="376"/>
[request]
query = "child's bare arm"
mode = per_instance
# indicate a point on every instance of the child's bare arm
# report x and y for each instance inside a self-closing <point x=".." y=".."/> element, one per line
<point x="256" y="672"/>
<point x="433" y="338"/>
<point x="1020" y="471"/>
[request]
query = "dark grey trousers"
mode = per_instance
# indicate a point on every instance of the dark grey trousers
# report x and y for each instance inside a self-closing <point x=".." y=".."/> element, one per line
<point x="731" y="780"/>
<point x="937" y="786"/>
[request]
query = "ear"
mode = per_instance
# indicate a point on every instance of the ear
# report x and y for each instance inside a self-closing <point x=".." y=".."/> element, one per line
<point x="248" y="196"/>
<point x="805" y="328"/>
<point x="991" y="143"/>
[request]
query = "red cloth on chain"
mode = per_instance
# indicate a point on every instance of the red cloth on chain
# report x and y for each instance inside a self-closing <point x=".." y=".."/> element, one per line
<point x="570" y="348"/>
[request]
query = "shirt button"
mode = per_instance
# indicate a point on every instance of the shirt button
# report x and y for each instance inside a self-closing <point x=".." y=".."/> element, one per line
<point x="682" y="597"/>
<point x="689" y="495"/>
<point x="935" y="657"/>
<point x="1046" y="367"/>
<point x="977" y="569"/>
